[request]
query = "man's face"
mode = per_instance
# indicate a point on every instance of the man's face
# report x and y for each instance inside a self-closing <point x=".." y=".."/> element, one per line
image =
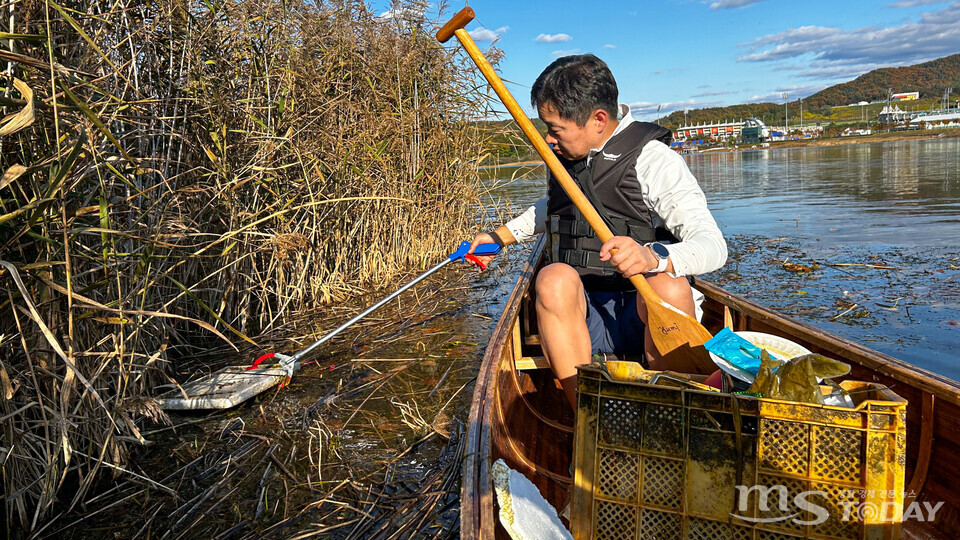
<point x="569" y="140"/>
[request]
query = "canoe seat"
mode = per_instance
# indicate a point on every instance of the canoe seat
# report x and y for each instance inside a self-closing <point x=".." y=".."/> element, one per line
<point x="527" y="363"/>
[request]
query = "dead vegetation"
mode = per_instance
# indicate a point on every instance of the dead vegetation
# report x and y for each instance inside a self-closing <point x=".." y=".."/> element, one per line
<point x="182" y="173"/>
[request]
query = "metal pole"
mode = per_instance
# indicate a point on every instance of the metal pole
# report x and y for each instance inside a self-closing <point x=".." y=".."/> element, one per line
<point x="369" y="310"/>
<point x="786" y="119"/>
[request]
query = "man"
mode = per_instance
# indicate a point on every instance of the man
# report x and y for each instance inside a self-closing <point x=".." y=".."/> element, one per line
<point x="650" y="200"/>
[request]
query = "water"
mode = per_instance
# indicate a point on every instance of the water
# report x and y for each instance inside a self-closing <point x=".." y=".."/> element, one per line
<point x="878" y="225"/>
<point x="865" y="194"/>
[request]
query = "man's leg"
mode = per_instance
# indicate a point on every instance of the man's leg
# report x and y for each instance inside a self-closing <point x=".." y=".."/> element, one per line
<point x="676" y="292"/>
<point x="562" y="314"/>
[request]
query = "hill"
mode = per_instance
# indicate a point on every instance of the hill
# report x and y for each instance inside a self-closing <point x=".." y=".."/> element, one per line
<point x="929" y="78"/>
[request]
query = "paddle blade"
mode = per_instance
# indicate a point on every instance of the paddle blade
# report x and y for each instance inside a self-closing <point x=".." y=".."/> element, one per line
<point x="673" y="331"/>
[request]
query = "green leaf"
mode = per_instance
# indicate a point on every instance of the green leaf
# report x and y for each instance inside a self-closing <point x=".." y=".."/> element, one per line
<point x="22" y="37"/>
<point x="59" y="171"/>
<point x="76" y="26"/>
<point x="88" y="112"/>
<point x="206" y="308"/>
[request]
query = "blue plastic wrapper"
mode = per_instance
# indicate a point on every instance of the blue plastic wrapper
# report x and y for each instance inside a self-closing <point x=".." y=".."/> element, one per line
<point x="736" y="350"/>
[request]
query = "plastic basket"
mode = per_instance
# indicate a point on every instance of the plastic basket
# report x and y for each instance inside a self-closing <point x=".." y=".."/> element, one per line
<point x="665" y="463"/>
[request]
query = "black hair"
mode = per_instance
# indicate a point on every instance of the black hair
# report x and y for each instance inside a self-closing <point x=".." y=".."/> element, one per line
<point x="576" y="86"/>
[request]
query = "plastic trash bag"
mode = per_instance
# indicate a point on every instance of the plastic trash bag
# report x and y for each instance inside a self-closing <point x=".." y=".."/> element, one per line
<point x="796" y="379"/>
<point x="736" y="350"/>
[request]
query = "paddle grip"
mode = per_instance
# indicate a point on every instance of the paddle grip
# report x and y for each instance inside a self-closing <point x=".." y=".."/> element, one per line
<point x="460" y="20"/>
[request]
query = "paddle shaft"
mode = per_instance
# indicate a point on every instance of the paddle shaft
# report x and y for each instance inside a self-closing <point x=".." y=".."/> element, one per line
<point x="650" y="297"/>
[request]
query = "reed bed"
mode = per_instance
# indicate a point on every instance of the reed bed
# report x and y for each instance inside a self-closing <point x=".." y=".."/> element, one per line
<point x="178" y="174"/>
<point x="367" y="447"/>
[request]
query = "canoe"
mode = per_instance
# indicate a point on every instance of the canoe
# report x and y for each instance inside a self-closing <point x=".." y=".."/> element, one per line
<point x="518" y="412"/>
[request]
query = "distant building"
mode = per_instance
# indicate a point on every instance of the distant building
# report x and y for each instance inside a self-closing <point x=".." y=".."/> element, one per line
<point x="754" y="131"/>
<point x="722" y="131"/>
<point x="939" y="121"/>
<point x="905" y="96"/>
<point x="892" y="115"/>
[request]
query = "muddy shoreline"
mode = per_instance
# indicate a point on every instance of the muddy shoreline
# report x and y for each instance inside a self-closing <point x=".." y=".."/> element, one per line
<point x="865" y="139"/>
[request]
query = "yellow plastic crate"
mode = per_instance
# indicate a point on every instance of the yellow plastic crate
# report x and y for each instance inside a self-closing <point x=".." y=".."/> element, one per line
<point x="665" y="463"/>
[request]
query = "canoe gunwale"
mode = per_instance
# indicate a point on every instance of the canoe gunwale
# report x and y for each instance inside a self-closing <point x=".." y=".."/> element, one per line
<point x="477" y="519"/>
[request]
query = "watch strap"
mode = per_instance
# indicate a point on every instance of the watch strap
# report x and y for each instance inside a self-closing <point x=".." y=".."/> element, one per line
<point x="661" y="261"/>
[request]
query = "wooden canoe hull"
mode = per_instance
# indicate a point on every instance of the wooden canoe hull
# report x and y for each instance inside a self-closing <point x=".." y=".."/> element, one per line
<point x="521" y="415"/>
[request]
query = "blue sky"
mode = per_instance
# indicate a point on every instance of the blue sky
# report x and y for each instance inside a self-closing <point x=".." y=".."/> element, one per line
<point x="704" y="53"/>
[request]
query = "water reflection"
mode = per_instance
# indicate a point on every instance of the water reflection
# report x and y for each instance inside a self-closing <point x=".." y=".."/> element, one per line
<point x="874" y="193"/>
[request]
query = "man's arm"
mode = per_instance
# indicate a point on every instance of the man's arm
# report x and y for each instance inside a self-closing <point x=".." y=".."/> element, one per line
<point x="671" y="190"/>
<point x="519" y="229"/>
<point x="530" y="223"/>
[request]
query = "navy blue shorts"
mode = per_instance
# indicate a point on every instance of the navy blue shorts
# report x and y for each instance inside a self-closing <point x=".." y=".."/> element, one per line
<point x="615" y="327"/>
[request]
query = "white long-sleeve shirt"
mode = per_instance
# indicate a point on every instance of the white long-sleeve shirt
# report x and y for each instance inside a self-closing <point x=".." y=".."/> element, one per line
<point x="672" y="193"/>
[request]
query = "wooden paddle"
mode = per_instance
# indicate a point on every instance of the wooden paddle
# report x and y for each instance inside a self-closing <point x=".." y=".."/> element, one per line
<point x="673" y="331"/>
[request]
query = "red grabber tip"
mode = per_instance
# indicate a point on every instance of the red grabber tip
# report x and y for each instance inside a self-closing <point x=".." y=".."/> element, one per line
<point x="258" y="361"/>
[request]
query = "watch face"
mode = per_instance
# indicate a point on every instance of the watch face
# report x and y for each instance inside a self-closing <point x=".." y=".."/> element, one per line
<point x="660" y="250"/>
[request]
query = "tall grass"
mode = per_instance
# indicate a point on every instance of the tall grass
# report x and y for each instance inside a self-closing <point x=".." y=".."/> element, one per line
<point x="180" y="173"/>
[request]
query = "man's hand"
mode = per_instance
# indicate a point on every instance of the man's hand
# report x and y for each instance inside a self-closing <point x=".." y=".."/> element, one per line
<point x="502" y="233"/>
<point x="630" y="258"/>
<point x="482" y="238"/>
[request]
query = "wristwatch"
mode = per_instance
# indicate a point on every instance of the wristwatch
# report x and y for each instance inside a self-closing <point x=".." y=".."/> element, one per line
<point x="663" y="256"/>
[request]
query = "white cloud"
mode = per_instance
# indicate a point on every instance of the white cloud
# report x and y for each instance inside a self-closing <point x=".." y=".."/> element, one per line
<point x="409" y="13"/>
<point x="708" y="94"/>
<point x="553" y="38"/>
<point x="609" y="46"/>
<point x="729" y="4"/>
<point x="485" y="34"/>
<point x="838" y="71"/>
<point x="647" y="110"/>
<point x="763" y="98"/>
<point x="836" y="53"/>
<point x="557" y="54"/>
<point x="795" y="92"/>
<point x="790" y="67"/>
<point x="913" y="3"/>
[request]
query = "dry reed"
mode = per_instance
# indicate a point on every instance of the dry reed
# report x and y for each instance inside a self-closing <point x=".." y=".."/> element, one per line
<point x="178" y="173"/>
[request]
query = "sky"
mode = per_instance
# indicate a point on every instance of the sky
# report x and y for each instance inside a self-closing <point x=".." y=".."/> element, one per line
<point x="679" y="54"/>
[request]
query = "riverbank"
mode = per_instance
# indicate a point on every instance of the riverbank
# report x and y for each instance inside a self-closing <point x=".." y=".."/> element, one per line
<point x="831" y="141"/>
<point x="863" y="139"/>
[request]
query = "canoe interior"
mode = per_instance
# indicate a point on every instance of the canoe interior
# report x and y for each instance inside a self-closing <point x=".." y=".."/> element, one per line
<point x="521" y="415"/>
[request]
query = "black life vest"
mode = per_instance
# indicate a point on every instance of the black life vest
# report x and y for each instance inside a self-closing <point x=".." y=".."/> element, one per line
<point x="610" y="183"/>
